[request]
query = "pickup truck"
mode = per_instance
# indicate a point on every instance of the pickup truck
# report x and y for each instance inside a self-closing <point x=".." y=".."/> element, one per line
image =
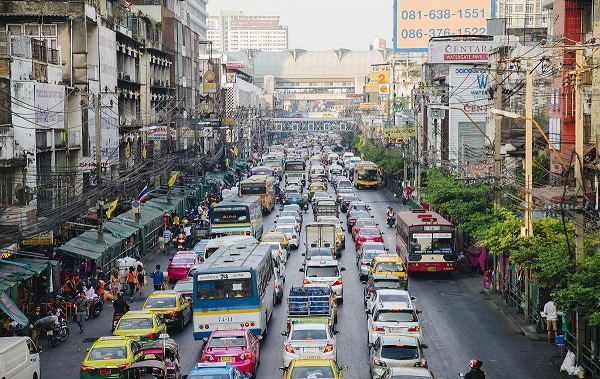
<point x="311" y="305"/>
<point x="322" y="234"/>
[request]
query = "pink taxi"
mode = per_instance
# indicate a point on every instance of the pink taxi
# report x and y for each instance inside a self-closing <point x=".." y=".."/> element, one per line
<point x="239" y="347"/>
<point x="180" y="264"/>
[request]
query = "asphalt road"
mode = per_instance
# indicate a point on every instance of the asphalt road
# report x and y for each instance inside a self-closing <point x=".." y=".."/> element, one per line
<point x="458" y="322"/>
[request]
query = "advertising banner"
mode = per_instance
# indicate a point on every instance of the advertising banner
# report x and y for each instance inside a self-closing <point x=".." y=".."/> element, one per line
<point x="49" y="106"/>
<point x="415" y="22"/>
<point x="460" y="51"/>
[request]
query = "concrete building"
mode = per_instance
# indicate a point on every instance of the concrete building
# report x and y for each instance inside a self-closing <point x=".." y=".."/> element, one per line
<point x="523" y="13"/>
<point x="233" y="31"/>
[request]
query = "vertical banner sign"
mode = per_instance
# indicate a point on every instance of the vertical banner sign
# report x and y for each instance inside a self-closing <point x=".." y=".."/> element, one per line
<point x="415" y="22"/>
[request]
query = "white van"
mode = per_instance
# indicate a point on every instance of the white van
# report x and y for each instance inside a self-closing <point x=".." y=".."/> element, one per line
<point x="19" y="358"/>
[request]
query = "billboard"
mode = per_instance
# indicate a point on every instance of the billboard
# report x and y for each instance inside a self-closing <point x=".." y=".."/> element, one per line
<point x="49" y="105"/>
<point x="415" y="22"/>
<point x="460" y="51"/>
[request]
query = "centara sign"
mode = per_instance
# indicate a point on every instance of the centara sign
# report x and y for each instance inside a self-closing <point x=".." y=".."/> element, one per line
<point x="475" y="108"/>
<point x="460" y="51"/>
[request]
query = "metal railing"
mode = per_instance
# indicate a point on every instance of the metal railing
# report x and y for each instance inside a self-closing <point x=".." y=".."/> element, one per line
<point x="512" y="294"/>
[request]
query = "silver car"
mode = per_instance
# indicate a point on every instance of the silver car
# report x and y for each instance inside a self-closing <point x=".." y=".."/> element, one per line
<point x="365" y="260"/>
<point x="386" y="295"/>
<point x="295" y="214"/>
<point x="393" y="317"/>
<point x="309" y="341"/>
<point x="324" y="273"/>
<point x="407" y="373"/>
<point x="395" y="351"/>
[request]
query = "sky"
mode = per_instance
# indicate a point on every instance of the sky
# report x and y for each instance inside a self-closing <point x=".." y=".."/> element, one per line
<point x="322" y="24"/>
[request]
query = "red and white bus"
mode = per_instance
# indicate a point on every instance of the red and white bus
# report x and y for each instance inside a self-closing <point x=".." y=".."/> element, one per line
<point x="425" y="241"/>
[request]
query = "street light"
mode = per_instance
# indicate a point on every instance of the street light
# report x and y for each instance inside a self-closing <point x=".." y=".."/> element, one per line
<point x="528" y="163"/>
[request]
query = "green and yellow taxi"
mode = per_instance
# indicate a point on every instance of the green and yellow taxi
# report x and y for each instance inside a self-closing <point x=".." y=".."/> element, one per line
<point x="315" y="187"/>
<point x="175" y="310"/>
<point x="313" y="368"/>
<point x="108" y="356"/>
<point x="390" y="264"/>
<point x="140" y="326"/>
<point x="276" y="237"/>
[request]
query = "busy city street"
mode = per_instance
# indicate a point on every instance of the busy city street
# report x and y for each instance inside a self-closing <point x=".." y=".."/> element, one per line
<point x="459" y="322"/>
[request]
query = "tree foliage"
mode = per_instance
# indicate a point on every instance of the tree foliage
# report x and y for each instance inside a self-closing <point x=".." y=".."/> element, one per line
<point x="390" y="160"/>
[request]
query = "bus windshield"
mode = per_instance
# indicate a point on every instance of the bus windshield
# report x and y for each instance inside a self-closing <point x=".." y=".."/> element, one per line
<point x="229" y="215"/>
<point x="368" y="174"/>
<point x="225" y="286"/>
<point x="431" y="243"/>
<point x="294" y="166"/>
<point x="254" y="189"/>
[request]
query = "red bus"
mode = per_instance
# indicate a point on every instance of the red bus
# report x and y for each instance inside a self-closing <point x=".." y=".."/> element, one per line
<point x="425" y="241"/>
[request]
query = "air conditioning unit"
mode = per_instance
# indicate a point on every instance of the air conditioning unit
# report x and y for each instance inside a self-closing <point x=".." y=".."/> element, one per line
<point x="122" y="120"/>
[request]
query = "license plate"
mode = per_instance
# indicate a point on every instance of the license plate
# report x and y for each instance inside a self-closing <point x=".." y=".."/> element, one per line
<point x="50" y="332"/>
<point x="396" y="330"/>
<point x="105" y="371"/>
<point x="432" y="269"/>
<point x="310" y="350"/>
<point x="226" y="359"/>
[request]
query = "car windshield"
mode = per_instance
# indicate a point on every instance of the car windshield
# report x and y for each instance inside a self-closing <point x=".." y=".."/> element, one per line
<point x="369" y="232"/>
<point x="186" y="286"/>
<point x="287" y="220"/>
<point x="361" y="223"/>
<point x="389" y="267"/>
<point x="359" y="214"/>
<point x="227" y="341"/>
<point x="325" y="271"/>
<point x="389" y="284"/>
<point x="371" y="254"/>
<point x="344" y="184"/>
<point x="214" y="376"/>
<point x="318" y="372"/>
<point x="309" y="334"/>
<point x="311" y="253"/>
<point x="287" y="230"/>
<point x="272" y="238"/>
<point x="290" y="208"/>
<point x="399" y="297"/>
<point x="135" y="323"/>
<point x="184" y="259"/>
<point x="399" y="352"/>
<point x="288" y="214"/>
<point x="161" y="302"/>
<point x="107" y="353"/>
<point x="396" y="316"/>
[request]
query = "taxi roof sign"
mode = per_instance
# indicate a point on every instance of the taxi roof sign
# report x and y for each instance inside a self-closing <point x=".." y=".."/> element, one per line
<point x="213" y="364"/>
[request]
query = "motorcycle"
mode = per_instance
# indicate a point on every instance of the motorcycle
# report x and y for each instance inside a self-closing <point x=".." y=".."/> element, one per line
<point x="116" y="318"/>
<point x="391" y="220"/>
<point x="54" y="327"/>
<point x="96" y="307"/>
<point x="305" y="207"/>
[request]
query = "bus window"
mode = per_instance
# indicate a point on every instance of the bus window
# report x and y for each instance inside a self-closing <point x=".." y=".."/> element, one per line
<point x="225" y="289"/>
<point x="423" y="243"/>
<point x="254" y="188"/>
<point x="231" y="215"/>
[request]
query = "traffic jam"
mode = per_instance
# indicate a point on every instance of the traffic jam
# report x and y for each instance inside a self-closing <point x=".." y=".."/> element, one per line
<point x="227" y="286"/>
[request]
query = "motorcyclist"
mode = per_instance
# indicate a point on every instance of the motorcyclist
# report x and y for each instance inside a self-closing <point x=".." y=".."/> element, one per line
<point x="476" y="372"/>
<point x="121" y="307"/>
<point x="390" y="211"/>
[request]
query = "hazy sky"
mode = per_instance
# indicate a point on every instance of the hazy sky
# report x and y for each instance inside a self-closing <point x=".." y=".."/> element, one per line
<point x="322" y="24"/>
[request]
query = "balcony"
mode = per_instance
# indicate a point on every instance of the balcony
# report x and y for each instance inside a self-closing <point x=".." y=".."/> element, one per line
<point x="74" y="140"/>
<point x="547" y="4"/>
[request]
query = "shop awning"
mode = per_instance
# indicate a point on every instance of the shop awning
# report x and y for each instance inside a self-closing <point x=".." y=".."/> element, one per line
<point x="120" y="230"/>
<point x="7" y="305"/>
<point x="16" y="272"/>
<point x="78" y="252"/>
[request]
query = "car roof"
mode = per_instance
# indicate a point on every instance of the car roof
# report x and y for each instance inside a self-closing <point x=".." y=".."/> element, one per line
<point x="305" y="326"/>
<point x="111" y="341"/>
<point x="166" y="293"/>
<point x="365" y="219"/>
<point x="317" y="263"/>
<point x="312" y="362"/>
<point x="392" y="277"/>
<point x="388" y="258"/>
<point x="391" y="291"/>
<point x="211" y="368"/>
<point x="185" y="253"/>
<point x="411" y="371"/>
<point x="133" y="314"/>
<point x="398" y="339"/>
<point x="392" y="305"/>
<point x="231" y="332"/>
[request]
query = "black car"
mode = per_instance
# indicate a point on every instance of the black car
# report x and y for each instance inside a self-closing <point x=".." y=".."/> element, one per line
<point x="354" y="216"/>
<point x="379" y="281"/>
<point x="346" y="200"/>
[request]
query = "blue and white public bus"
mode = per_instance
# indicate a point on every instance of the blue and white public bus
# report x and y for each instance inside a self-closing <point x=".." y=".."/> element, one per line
<point x="234" y="287"/>
<point x="238" y="216"/>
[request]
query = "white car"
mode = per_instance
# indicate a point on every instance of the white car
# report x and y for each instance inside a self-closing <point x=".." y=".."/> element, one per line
<point x="393" y="318"/>
<point x="296" y="215"/>
<point x="278" y="250"/>
<point x="386" y="295"/>
<point x="309" y="341"/>
<point x="324" y="273"/>
<point x="321" y="195"/>
<point x="291" y="233"/>
<point x="289" y="221"/>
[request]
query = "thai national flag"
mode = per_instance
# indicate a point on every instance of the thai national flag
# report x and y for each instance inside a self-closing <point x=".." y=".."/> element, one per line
<point x="144" y="195"/>
<point x="232" y="151"/>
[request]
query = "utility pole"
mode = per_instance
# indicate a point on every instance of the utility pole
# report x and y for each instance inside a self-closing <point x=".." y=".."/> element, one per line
<point x="169" y="126"/>
<point x="196" y="148"/>
<point x="528" y="150"/>
<point x="497" y="138"/>
<point x="100" y="220"/>
<point x="98" y="128"/>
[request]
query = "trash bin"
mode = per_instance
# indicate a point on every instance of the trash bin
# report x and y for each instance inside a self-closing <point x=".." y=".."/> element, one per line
<point x="560" y="345"/>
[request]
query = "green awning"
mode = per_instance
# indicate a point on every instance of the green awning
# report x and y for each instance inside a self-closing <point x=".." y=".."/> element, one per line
<point x="78" y="252"/>
<point x="15" y="272"/>
<point x="7" y="305"/>
<point x="120" y="230"/>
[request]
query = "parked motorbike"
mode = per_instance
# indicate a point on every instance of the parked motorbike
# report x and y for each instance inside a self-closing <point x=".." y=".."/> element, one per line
<point x="53" y="328"/>
<point x="391" y="220"/>
<point x="96" y="307"/>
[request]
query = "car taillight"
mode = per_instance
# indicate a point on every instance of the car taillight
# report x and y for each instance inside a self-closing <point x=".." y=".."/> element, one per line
<point x="372" y="291"/>
<point x="87" y="368"/>
<point x="377" y="328"/>
<point x="247" y="232"/>
<point x="288" y="349"/>
<point x="294" y="236"/>
<point x="123" y="366"/>
<point x="306" y="281"/>
<point x="378" y="362"/>
<point x="207" y="358"/>
<point x="363" y="263"/>
<point x="421" y="363"/>
<point x="151" y="336"/>
<point x="414" y="329"/>
<point x="328" y="348"/>
<point x="338" y="282"/>
<point x="288" y="326"/>
<point x="245" y="356"/>
<point x="277" y="286"/>
<point x="174" y="314"/>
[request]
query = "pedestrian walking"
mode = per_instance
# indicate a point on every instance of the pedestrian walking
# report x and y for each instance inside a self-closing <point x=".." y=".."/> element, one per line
<point x="115" y="283"/>
<point x="35" y="330"/>
<point x="131" y="282"/>
<point x="136" y="252"/>
<point x="89" y="295"/>
<point x="157" y="278"/>
<point x="551" y="316"/>
<point x="81" y="309"/>
<point x="167" y="237"/>
<point x="141" y="279"/>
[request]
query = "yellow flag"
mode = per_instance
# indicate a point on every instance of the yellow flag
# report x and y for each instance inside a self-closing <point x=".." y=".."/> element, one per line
<point x="144" y="152"/>
<point x="172" y="180"/>
<point x="112" y="208"/>
<point x="127" y="150"/>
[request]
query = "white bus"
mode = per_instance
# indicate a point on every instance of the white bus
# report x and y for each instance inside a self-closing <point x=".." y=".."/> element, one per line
<point x="234" y="287"/>
<point x="238" y="216"/>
